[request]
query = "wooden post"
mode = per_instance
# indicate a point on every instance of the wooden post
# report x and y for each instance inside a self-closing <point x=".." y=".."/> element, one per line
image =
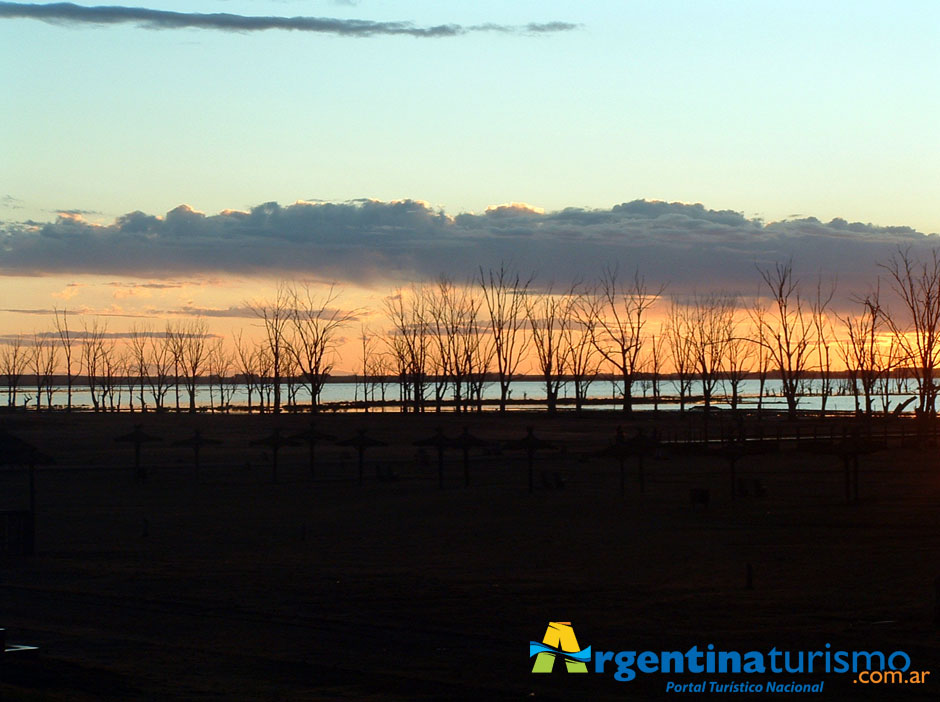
<point x="531" y="454"/>
<point x="440" y="467"/>
<point x="732" y="462"/>
<point x="846" y="459"/>
<point x="936" y="589"/>
<point x="855" y="477"/>
<point x="138" y="473"/>
<point x="623" y="476"/>
<point x="30" y="546"/>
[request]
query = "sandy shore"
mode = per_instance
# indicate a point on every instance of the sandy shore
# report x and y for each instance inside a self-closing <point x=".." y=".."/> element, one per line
<point x="223" y="584"/>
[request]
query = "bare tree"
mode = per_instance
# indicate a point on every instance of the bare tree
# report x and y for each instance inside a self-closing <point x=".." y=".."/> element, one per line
<point x="577" y="332"/>
<point x="380" y="368"/>
<point x="41" y="358"/>
<point x="546" y="315"/>
<point x="195" y="349"/>
<point x="398" y="353"/>
<point x="276" y="315"/>
<point x="440" y="322"/>
<point x="316" y="321"/>
<point x="452" y="312"/>
<point x="410" y="341"/>
<point x="160" y="364"/>
<point x="861" y="352"/>
<point x="139" y="343"/>
<point x="265" y="386"/>
<point x="290" y="374"/>
<point x="438" y="361"/>
<point x="892" y="360"/>
<point x="470" y="348"/>
<point x="220" y="365"/>
<point x="66" y="340"/>
<point x="620" y="316"/>
<point x="14" y="360"/>
<point x="762" y="356"/>
<point x="110" y="365"/>
<point x="739" y="360"/>
<point x="472" y="354"/>
<point x="504" y="292"/>
<point x="916" y="282"/>
<point x="127" y="370"/>
<point x="176" y="342"/>
<point x="93" y="358"/>
<point x="247" y="357"/>
<point x="709" y="322"/>
<point x="47" y="368"/>
<point x="480" y="354"/>
<point x="851" y="351"/>
<point x="368" y="343"/>
<point x="786" y="330"/>
<point x="824" y="341"/>
<point x="657" y="356"/>
<point x="679" y="340"/>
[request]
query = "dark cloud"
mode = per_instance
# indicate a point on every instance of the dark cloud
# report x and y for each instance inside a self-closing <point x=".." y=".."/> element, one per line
<point x="241" y="312"/>
<point x="70" y="14"/>
<point x="146" y="286"/>
<point x="82" y="311"/>
<point x="192" y="311"/>
<point x="80" y="335"/>
<point x="36" y="311"/>
<point x="80" y="213"/>
<point x="366" y="241"/>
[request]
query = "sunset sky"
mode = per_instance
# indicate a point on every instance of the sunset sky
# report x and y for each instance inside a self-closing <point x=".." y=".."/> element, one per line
<point x="159" y="162"/>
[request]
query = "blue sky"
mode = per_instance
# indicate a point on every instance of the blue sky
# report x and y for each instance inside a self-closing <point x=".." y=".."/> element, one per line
<point x="771" y="109"/>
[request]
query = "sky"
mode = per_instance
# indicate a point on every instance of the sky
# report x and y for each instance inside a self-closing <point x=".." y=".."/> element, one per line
<point x="371" y="143"/>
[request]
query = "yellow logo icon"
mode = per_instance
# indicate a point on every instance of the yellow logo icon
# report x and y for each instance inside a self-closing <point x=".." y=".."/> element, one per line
<point x="559" y="640"/>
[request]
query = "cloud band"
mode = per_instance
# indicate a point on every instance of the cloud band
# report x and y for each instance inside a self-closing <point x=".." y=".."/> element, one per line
<point x="69" y="13"/>
<point x="368" y="241"/>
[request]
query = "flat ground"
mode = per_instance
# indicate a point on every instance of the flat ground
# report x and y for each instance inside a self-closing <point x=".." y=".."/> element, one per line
<point x="225" y="585"/>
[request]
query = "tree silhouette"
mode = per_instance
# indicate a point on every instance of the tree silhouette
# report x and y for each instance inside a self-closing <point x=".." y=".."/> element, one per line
<point x="785" y="330"/>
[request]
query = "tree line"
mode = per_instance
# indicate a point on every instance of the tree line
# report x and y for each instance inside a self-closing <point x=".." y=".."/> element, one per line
<point x="445" y="341"/>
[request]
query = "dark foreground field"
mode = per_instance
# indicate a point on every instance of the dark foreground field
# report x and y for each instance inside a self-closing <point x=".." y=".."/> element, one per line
<point x="228" y="586"/>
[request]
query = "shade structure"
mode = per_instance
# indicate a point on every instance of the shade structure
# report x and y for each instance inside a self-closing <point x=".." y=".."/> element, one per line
<point x="638" y="446"/>
<point x="732" y="451"/>
<point x="530" y="443"/>
<point x="275" y="441"/>
<point x="312" y="436"/>
<point x="848" y="448"/>
<point x="361" y="442"/>
<point x="441" y="443"/>
<point x="138" y="437"/>
<point x="196" y="442"/>
<point x="464" y="443"/>
<point x="16" y="452"/>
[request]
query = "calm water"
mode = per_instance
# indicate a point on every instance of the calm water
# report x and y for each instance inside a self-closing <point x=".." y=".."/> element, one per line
<point x="533" y="391"/>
